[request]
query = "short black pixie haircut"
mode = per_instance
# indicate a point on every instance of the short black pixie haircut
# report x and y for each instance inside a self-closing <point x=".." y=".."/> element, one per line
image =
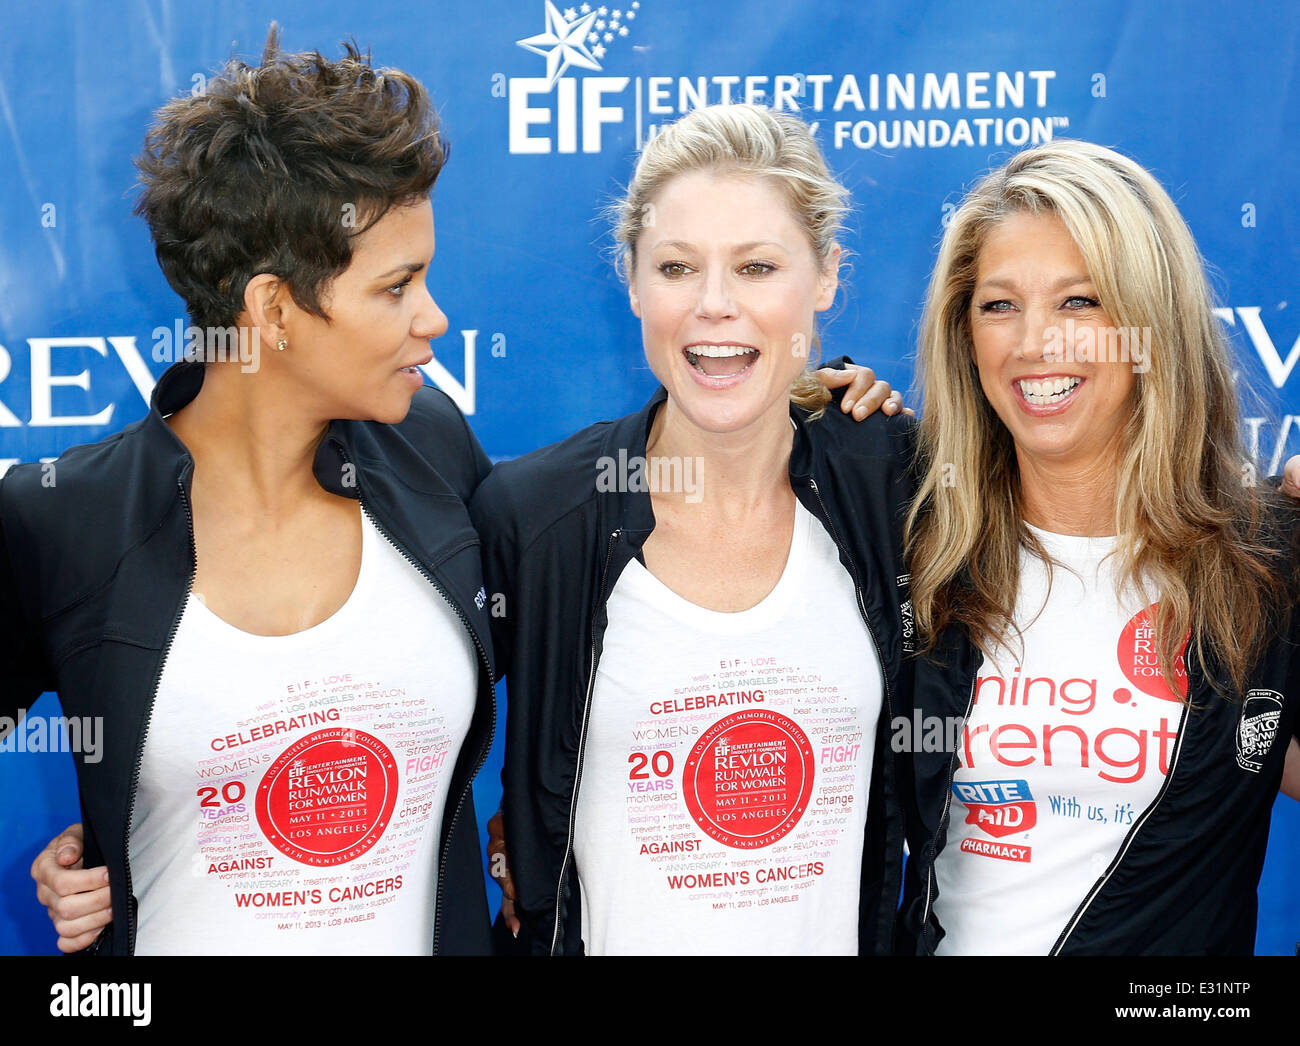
<point x="276" y="168"/>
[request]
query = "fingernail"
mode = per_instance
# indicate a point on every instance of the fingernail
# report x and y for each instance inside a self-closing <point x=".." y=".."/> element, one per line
<point x="848" y="405"/>
<point x="103" y="877"/>
<point x="66" y="851"/>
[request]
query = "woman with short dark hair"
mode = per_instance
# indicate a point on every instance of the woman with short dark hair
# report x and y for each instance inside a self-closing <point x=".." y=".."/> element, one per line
<point x="269" y="588"/>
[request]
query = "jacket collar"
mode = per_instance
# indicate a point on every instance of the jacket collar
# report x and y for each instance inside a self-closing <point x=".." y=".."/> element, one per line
<point x="627" y="509"/>
<point x="178" y="386"/>
<point x="631" y="434"/>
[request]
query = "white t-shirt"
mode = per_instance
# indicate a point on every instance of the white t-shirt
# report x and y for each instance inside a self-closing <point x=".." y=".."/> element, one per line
<point x="727" y="764"/>
<point x="1064" y="749"/>
<point x="291" y="788"/>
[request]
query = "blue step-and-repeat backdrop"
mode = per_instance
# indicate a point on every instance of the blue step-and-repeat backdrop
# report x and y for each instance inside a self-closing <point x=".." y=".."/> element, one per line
<point x="912" y="100"/>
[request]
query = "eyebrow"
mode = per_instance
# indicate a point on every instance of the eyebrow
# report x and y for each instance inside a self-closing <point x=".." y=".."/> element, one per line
<point x="1007" y="283"/>
<point x="682" y="245"/>
<point x="408" y="267"/>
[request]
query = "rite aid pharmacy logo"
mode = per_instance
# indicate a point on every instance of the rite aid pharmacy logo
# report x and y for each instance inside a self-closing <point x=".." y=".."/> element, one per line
<point x="999" y="808"/>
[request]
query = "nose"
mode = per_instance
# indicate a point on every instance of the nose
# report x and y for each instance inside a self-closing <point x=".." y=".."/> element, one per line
<point x="1035" y="336"/>
<point x="717" y="300"/>
<point x="429" y="320"/>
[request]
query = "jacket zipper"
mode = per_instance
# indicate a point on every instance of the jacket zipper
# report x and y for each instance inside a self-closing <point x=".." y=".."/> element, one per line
<point x="862" y="610"/>
<point x="483" y="751"/>
<point x="144" y="734"/>
<point x="857" y="591"/>
<point x="930" y="876"/>
<point x="1128" y="840"/>
<point x="582" y="739"/>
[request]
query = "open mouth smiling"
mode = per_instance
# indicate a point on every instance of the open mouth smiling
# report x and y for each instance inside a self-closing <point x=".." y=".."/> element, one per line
<point x="721" y="360"/>
<point x="1048" y="391"/>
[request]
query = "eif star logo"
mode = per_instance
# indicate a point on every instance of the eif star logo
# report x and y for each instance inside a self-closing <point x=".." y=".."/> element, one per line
<point x="569" y="34"/>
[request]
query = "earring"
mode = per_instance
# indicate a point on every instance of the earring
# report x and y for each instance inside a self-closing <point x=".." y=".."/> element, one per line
<point x="282" y="344"/>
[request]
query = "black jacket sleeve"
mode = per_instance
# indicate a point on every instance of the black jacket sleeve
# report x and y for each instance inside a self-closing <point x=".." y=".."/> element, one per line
<point x="440" y="433"/>
<point x="24" y="671"/>
<point x="488" y="512"/>
<point x="482" y="463"/>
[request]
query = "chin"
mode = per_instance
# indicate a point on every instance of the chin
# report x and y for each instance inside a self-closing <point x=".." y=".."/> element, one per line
<point x="385" y="407"/>
<point x="1063" y="445"/>
<point x="719" y="412"/>
<point x="395" y="413"/>
<point x="733" y="409"/>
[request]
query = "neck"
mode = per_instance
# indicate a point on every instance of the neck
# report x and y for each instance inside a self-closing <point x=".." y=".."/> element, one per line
<point x="734" y="471"/>
<point x="247" y="440"/>
<point x="1069" y="498"/>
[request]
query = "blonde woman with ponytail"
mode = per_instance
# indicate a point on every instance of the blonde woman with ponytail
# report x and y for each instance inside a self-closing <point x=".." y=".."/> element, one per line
<point x="672" y="689"/>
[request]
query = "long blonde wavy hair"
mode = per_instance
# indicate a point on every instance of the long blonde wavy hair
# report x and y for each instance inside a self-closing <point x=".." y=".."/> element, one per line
<point x="1188" y="513"/>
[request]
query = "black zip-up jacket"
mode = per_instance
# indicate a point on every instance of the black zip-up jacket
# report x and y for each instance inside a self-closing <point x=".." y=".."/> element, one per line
<point x="554" y="547"/>
<point x="1184" y="880"/>
<point x="95" y="568"/>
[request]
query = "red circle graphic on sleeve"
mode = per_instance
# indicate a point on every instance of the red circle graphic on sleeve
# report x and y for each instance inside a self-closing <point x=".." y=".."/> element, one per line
<point x="748" y="779"/>
<point x="329" y="797"/>
<point x="1136" y="652"/>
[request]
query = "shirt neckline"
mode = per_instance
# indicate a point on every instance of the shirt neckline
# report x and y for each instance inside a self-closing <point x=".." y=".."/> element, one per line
<point x="369" y="535"/>
<point x="771" y="608"/>
<point x="1074" y="546"/>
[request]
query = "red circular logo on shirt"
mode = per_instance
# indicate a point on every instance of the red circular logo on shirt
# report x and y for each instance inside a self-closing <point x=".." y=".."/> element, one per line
<point x="329" y="797"/>
<point x="748" y="779"/>
<point x="1139" y="662"/>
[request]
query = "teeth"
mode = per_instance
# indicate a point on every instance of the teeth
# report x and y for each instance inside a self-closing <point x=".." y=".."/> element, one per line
<point x="719" y="352"/>
<point x="1053" y="390"/>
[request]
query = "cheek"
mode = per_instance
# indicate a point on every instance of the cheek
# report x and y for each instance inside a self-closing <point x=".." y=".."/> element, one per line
<point x="1121" y="389"/>
<point x="789" y="319"/>
<point x="986" y="359"/>
<point x="661" y="315"/>
<point x="364" y="341"/>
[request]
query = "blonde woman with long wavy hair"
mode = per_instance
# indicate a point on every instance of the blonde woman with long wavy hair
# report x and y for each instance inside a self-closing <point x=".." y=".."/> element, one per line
<point x="1099" y="581"/>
